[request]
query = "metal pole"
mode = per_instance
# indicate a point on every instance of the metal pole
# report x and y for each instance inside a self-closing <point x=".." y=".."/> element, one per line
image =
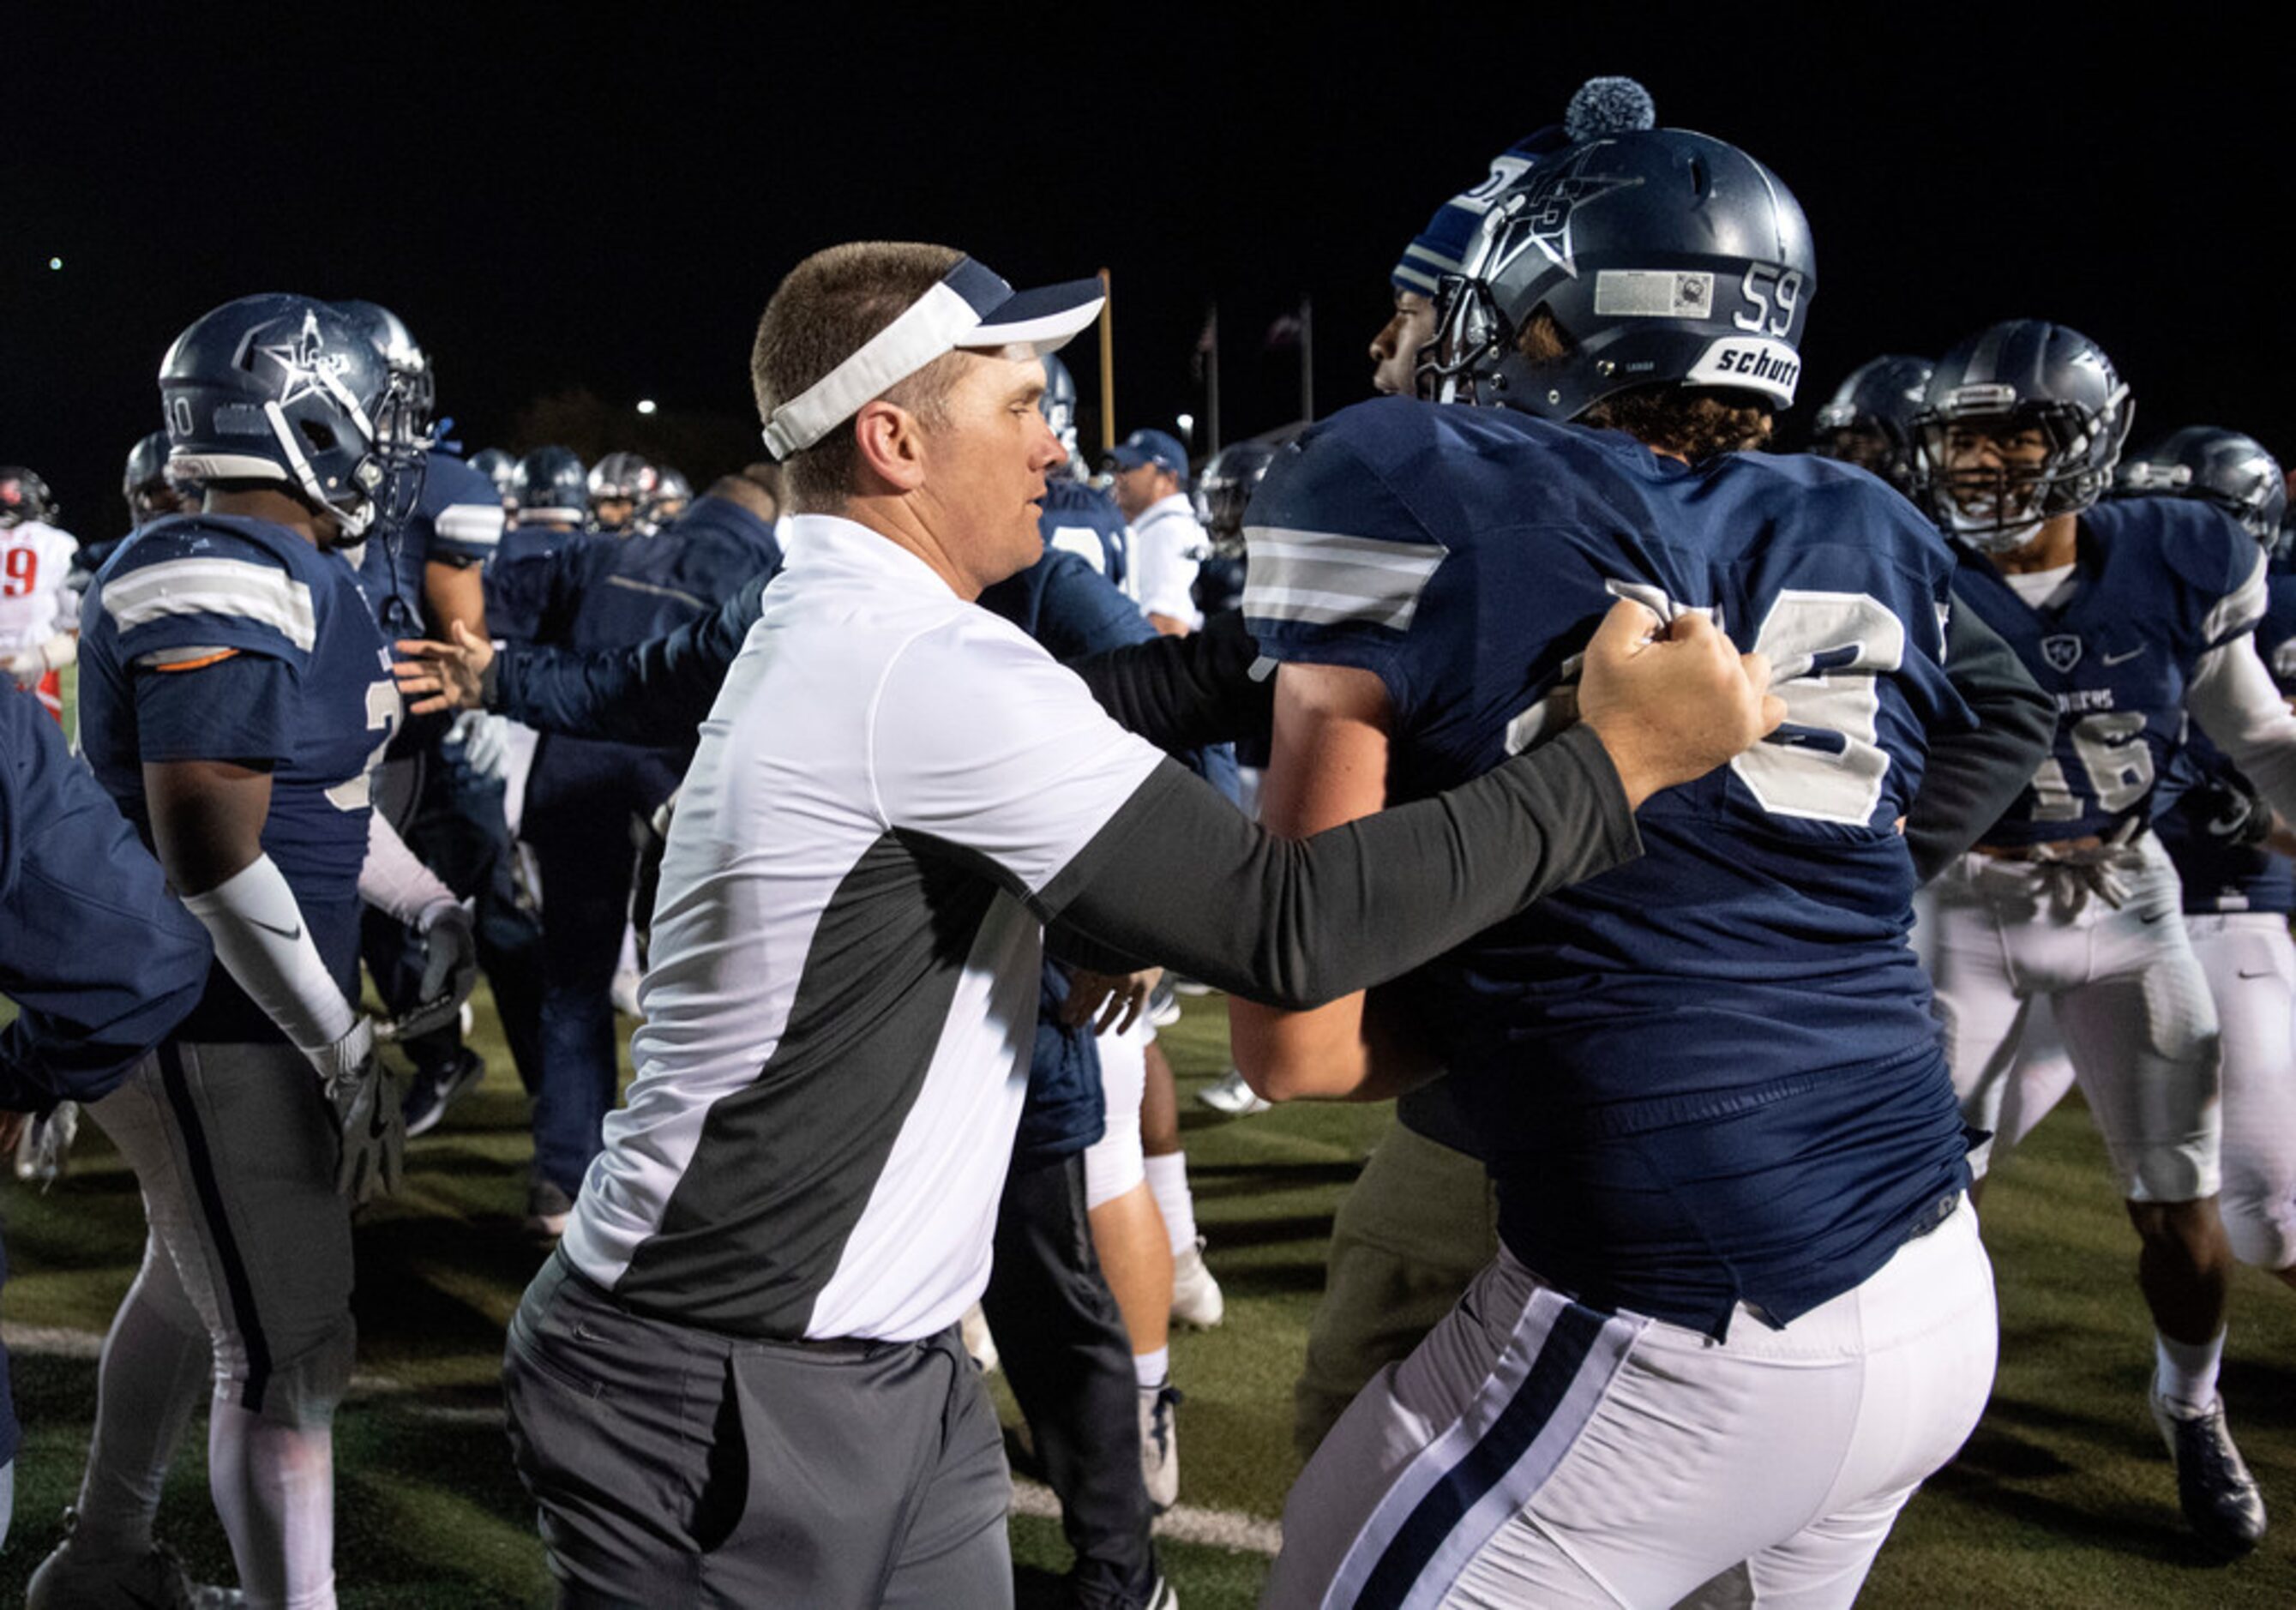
<point x="1107" y="363"/>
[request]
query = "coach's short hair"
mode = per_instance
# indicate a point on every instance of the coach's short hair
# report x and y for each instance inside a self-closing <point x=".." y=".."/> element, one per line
<point x="823" y="313"/>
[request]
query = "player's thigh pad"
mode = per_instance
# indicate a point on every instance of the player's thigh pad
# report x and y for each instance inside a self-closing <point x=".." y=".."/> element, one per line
<point x="234" y="1150"/>
<point x="1531" y="1452"/>
<point x="2251" y="965"/>
<point x="1114" y="1163"/>
<point x="1981" y="1009"/>
<point x="2143" y="1037"/>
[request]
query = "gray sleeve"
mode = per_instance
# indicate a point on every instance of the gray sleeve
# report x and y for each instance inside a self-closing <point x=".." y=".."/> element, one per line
<point x="1179" y="877"/>
<point x="1970" y="778"/>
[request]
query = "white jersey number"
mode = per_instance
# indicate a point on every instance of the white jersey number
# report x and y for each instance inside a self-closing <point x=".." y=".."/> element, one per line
<point x="2110" y="749"/>
<point x="353" y="793"/>
<point x="1825" y="650"/>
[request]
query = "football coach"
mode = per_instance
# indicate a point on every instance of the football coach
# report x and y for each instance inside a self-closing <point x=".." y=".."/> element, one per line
<point x="738" y="1381"/>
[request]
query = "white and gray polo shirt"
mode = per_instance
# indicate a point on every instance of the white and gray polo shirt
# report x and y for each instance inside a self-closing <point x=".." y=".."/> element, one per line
<point x="843" y="999"/>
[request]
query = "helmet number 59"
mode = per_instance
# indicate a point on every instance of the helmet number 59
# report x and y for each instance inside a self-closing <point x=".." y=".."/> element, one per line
<point x="1772" y="295"/>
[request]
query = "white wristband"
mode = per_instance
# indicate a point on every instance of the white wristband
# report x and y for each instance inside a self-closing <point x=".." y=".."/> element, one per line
<point x="263" y="942"/>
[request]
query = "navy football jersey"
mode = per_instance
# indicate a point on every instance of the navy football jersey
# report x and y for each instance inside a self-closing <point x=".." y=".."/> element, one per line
<point x="1087" y="524"/>
<point x="2190" y="813"/>
<point x="215" y="637"/>
<point x="2160" y="582"/>
<point x="1710" y="1074"/>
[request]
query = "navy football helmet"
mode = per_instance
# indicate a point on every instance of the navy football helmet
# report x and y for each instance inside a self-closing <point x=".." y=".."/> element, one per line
<point x="2019" y="376"/>
<point x="551" y="484"/>
<point x="498" y="467"/>
<point x="671" y="493"/>
<point x="1870" y="421"/>
<point x="151" y="491"/>
<point x="285" y="390"/>
<point x="1059" y="403"/>
<point x="1662" y="256"/>
<point x="623" y="478"/>
<point x="398" y="347"/>
<point x="1225" y="485"/>
<point x="24" y="496"/>
<point x="2223" y="467"/>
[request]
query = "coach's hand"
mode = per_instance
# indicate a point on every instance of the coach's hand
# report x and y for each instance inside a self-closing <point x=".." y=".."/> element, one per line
<point x="1672" y="702"/>
<point x="435" y="676"/>
<point x="367" y="1115"/>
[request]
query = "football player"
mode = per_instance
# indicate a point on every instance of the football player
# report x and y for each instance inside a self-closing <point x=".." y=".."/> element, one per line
<point x="235" y="696"/>
<point x="671" y="494"/>
<point x="620" y="485"/>
<point x="2238" y="894"/>
<point x="500" y="468"/>
<point x="145" y="485"/>
<point x="552" y="493"/>
<point x="39" y="612"/>
<point x="599" y="592"/>
<point x="1869" y="420"/>
<point x="423" y="569"/>
<point x="1736" y="1316"/>
<point x="2132" y="614"/>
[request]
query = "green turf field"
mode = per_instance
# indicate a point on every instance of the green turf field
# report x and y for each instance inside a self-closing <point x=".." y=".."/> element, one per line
<point x="2063" y="1498"/>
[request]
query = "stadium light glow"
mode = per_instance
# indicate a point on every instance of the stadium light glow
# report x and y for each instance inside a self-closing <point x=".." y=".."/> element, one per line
<point x="645" y="405"/>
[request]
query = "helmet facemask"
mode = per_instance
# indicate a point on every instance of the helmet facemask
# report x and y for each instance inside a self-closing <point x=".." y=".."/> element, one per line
<point x="2000" y="508"/>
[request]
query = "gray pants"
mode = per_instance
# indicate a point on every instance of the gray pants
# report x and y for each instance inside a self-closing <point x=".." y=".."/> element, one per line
<point x="677" y="1467"/>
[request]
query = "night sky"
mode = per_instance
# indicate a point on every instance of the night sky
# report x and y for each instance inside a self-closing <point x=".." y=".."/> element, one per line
<point x="556" y="209"/>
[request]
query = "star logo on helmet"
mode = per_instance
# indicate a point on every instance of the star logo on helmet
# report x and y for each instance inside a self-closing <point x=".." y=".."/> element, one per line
<point x="1542" y="211"/>
<point x="303" y="362"/>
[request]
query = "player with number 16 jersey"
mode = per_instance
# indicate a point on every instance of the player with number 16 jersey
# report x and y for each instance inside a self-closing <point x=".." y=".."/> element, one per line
<point x="1669" y="1051"/>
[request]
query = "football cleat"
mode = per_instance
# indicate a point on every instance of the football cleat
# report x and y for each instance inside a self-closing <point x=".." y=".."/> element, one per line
<point x="1229" y="1094"/>
<point x="2219" y="1498"/>
<point x="433" y="1090"/>
<point x="1196" y="1297"/>
<point x="1160" y="1444"/>
<point x="75" y="1578"/>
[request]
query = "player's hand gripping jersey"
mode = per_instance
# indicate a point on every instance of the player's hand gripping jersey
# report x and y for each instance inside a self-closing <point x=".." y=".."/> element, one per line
<point x="2160" y="582"/>
<point x="1712" y="1075"/>
<point x="214" y="637"/>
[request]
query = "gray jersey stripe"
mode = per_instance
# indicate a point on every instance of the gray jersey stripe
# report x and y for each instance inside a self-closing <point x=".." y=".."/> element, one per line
<point x="1322" y="579"/>
<point x="214" y="586"/>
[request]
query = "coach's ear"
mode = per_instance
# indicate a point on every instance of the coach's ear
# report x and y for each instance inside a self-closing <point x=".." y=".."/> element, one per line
<point x="891" y="448"/>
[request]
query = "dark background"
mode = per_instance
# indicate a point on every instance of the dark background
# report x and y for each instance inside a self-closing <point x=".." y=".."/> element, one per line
<point x="572" y="217"/>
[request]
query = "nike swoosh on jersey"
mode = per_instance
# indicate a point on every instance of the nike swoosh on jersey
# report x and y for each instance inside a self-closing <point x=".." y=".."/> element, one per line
<point x="2245" y="972"/>
<point x="2124" y="659"/>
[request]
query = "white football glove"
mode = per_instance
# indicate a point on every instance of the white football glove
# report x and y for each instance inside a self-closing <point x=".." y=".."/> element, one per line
<point x="484" y="739"/>
<point x="28" y="668"/>
<point x="367" y="1116"/>
<point x="450" y="971"/>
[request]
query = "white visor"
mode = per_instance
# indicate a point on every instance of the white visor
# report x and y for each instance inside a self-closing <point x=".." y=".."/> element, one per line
<point x="970" y="307"/>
